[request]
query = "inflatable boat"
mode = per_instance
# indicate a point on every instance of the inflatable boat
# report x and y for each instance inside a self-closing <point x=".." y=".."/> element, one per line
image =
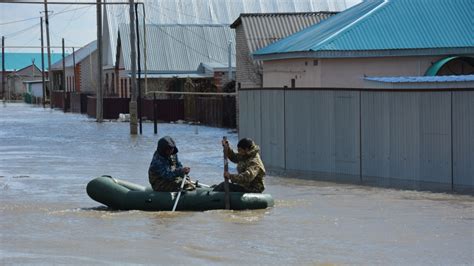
<point x="123" y="195"/>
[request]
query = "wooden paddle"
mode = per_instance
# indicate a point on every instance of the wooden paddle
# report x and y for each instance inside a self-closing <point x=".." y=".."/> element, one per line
<point x="179" y="193"/>
<point x="226" y="181"/>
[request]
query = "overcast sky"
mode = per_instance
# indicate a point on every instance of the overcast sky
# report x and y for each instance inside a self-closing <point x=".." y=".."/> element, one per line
<point x="75" y="23"/>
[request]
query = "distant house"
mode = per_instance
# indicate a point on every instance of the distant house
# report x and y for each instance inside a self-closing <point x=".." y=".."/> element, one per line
<point x="257" y="30"/>
<point x="81" y="74"/>
<point x="185" y="35"/>
<point x="34" y="88"/>
<point x="381" y="93"/>
<point x="20" y="67"/>
<point x="15" y="80"/>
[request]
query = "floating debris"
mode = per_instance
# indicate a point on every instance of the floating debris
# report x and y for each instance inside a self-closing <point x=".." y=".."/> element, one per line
<point x="21" y="176"/>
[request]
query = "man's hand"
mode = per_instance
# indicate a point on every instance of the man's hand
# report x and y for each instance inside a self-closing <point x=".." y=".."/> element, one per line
<point x="186" y="170"/>
<point x="226" y="175"/>
<point x="225" y="144"/>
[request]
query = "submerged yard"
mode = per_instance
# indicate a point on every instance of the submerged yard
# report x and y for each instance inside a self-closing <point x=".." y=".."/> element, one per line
<point x="47" y="157"/>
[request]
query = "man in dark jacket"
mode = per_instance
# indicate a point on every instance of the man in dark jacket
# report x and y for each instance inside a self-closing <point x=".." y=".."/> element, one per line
<point x="166" y="172"/>
<point x="249" y="167"/>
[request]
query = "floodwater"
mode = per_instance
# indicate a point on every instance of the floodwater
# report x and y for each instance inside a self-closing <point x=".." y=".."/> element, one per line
<point x="47" y="157"/>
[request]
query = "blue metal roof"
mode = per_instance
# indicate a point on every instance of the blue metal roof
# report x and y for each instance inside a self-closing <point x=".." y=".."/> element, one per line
<point x="386" y="25"/>
<point x="423" y="79"/>
<point x="17" y="61"/>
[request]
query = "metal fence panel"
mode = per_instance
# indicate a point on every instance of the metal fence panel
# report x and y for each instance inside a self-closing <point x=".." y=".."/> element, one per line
<point x="406" y="135"/>
<point x="249" y="115"/>
<point x="346" y="132"/>
<point x="404" y="138"/>
<point x="322" y="131"/>
<point x="435" y="137"/>
<point x="272" y="145"/>
<point x="299" y="143"/>
<point x="375" y="134"/>
<point x="463" y="138"/>
<point x="412" y="139"/>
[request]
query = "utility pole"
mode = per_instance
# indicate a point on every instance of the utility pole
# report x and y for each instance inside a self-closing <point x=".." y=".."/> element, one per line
<point x="50" y="76"/>
<point x="42" y="64"/>
<point x="133" y="57"/>
<point x="230" y="62"/>
<point x="3" y="68"/>
<point x="74" y="70"/>
<point x="139" y="105"/>
<point x="63" y="80"/>
<point x="100" y="94"/>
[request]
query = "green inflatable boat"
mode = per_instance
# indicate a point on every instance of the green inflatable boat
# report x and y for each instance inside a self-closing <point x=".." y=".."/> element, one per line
<point x="123" y="195"/>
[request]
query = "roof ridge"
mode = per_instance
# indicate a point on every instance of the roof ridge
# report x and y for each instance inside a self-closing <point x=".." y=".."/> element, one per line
<point x="350" y="26"/>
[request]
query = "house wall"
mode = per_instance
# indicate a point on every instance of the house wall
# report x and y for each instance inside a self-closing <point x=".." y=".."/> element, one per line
<point x="15" y="86"/>
<point x="14" y="81"/>
<point x="36" y="89"/>
<point x="248" y="73"/>
<point x="279" y="73"/>
<point x="340" y="72"/>
<point x="70" y="79"/>
<point x="88" y="74"/>
<point x="417" y="140"/>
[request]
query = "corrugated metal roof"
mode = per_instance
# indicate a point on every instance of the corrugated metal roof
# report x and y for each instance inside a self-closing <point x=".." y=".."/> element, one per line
<point x="181" y="47"/>
<point x="213" y="67"/>
<point x="17" y="61"/>
<point x="423" y="79"/>
<point x="210" y="12"/>
<point x="264" y="29"/>
<point x="386" y="25"/>
<point x="80" y="55"/>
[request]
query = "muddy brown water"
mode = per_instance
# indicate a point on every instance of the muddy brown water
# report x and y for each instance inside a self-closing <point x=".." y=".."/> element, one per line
<point x="47" y="157"/>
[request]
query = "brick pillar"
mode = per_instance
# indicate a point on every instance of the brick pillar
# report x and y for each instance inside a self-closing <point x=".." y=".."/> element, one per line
<point x="77" y="78"/>
<point x="218" y="80"/>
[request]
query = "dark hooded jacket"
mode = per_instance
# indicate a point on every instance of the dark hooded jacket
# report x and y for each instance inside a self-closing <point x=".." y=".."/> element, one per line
<point x="250" y="169"/>
<point x="163" y="167"/>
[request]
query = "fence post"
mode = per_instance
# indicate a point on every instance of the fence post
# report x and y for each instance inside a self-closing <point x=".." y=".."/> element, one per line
<point x="155" y="111"/>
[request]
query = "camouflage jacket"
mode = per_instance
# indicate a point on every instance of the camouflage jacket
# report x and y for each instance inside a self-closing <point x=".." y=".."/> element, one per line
<point x="163" y="168"/>
<point x="250" y="170"/>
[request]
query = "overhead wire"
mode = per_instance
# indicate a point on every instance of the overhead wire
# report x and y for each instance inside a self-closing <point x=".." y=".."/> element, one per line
<point x="72" y="18"/>
<point x="17" y="21"/>
<point x="36" y="24"/>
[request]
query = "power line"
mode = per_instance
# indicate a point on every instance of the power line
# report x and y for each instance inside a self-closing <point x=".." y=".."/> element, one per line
<point x="17" y="21"/>
<point x="22" y="30"/>
<point x="53" y="15"/>
<point x="72" y="18"/>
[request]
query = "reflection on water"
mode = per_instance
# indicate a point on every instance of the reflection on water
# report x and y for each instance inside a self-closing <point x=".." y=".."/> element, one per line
<point x="47" y="157"/>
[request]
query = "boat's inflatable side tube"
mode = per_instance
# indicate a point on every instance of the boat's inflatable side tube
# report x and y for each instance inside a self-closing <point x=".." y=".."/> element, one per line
<point x="107" y="191"/>
<point x="122" y="195"/>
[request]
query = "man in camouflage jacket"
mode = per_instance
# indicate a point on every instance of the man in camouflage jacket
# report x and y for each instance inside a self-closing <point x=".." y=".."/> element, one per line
<point x="166" y="171"/>
<point x="250" y="168"/>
